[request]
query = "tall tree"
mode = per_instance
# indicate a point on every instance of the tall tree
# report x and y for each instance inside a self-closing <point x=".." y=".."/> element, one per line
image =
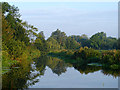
<point x="71" y="43"/>
<point x="60" y="37"/>
<point x="42" y="34"/>
<point x="98" y="41"/>
<point x="41" y="43"/>
<point x="53" y="44"/>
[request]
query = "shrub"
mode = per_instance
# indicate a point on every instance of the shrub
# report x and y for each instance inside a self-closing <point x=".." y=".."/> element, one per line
<point x="110" y="57"/>
<point x="87" y="54"/>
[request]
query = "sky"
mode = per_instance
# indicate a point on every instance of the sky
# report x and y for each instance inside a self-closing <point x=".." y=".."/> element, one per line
<point x="74" y="18"/>
<point x="60" y="0"/>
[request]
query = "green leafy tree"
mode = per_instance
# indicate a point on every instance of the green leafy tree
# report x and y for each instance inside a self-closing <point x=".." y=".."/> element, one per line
<point x="60" y="37"/>
<point x="71" y="43"/>
<point x="40" y="43"/>
<point x="53" y="44"/>
<point x="118" y="43"/>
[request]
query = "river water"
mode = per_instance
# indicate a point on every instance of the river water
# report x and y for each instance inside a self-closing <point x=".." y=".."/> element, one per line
<point x="51" y="72"/>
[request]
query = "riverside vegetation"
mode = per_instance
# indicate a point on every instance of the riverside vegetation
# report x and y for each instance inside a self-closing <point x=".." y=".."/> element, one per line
<point x="109" y="59"/>
<point x="22" y="43"/>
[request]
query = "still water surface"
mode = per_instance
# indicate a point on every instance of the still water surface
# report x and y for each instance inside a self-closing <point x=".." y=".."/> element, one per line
<point x="51" y="72"/>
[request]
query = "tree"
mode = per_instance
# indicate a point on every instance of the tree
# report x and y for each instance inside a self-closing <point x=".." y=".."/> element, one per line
<point x="42" y="34"/>
<point x="53" y="44"/>
<point x="119" y="43"/>
<point x="40" y="43"/>
<point x="60" y="37"/>
<point x="98" y="41"/>
<point x="7" y="32"/>
<point x="71" y="43"/>
<point x="83" y="40"/>
<point x="84" y="36"/>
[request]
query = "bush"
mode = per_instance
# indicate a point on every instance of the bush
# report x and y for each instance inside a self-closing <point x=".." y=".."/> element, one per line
<point x="110" y="57"/>
<point x="87" y="54"/>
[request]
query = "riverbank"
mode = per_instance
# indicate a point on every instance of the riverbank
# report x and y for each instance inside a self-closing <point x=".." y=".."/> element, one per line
<point x="84" y="56"/>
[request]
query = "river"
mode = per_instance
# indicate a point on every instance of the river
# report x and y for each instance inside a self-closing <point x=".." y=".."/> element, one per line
<point x="52" y="72"/>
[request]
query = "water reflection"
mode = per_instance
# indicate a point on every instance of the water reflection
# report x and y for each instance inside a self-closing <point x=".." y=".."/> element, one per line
<point x="18" y="77"/>
<point x="29" y="74"/>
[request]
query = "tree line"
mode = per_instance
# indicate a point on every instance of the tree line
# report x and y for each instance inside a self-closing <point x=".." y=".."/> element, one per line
<point x="20" y="39"/>
<point x="99" y="41"/>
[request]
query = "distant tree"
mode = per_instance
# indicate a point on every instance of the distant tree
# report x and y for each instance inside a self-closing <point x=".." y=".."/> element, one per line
<point x="118" y="43"/>
<point x="53" y="44"/>
<point x="111" y="43"/>
<point x="83" y="40"/>
<point x="100" y="41"/>
<point x="84" y="36"/>
<point x="71" y="43"/>
<point x="42" y="34"/>
<point x="40" y="43"/>
<point x="60" y="37"/>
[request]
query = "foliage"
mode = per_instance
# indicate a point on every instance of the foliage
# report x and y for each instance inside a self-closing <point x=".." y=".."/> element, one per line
<point x="118" y="43"/>
<point x="83" y="56"/>
<point x="87" y="54"/>
<point x="100" y="41"/>
<point x="71" y="43"/>
<point x="21" y="42"/>
<point x="16" y="38"/>
<point x="40" y="43"/>
<point x="83" y="40"/>
<point x="60" y="37"/>
<point x="53" y="44"/>
<point x="97" y="41"/>
<point x="110" y="57"/>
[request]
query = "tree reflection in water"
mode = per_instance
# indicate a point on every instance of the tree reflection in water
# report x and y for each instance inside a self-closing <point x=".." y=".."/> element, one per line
<point x="26" y="75"/>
